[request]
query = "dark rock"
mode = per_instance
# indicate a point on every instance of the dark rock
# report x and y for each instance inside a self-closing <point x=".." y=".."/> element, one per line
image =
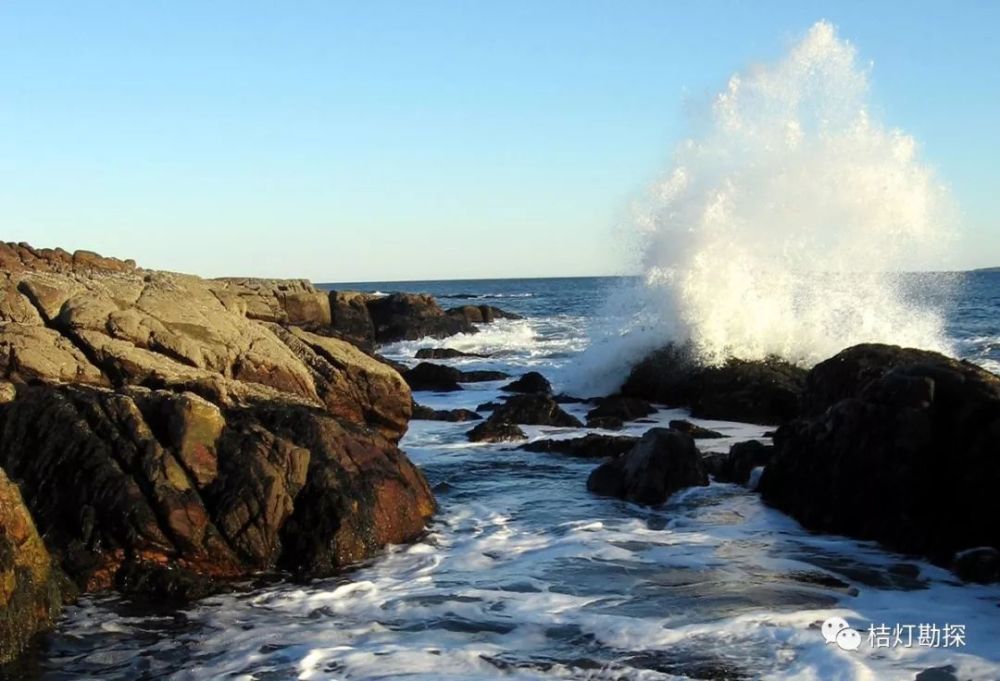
<point x="981" y="564"/>
<point x="350" y="319"/>
<point x="535" y="410"/>
<point x="435" y="377"/>
<point x="164" y="584"/>
<point x="488" y="406"/>
<point x="590" y="446"/>
<point x="410" y="316"/>
<point x="694" y="430"/>
<point x="910" y="460"/>
<point x="605" y="422"/>
<point x="422" y="413"/>
<point x="743" y="457"/>
<point x="761" y="391"/>
<point x="619" y="407"/>
<point x="441" y="378"/>
<point x="663" y="462"/>
<point x="496" y="431"/>
<point x="480" y="314"/>
<point x="531" y="382"/>
<point x="444" y="353"/>
<point x="563" y="398"/>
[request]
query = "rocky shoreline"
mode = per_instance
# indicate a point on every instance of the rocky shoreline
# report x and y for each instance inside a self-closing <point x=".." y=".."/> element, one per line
<point x="164" y="435"/>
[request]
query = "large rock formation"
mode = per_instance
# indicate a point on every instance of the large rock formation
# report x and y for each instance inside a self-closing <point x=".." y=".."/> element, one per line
<point x="901" y="446"/>
<point x="218" y="427"/>
<point x="763" y="391"/>
<point x="409" y="316"/>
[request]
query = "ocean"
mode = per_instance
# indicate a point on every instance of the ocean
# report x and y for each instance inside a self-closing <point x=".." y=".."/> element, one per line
<point x="525" y="575"/>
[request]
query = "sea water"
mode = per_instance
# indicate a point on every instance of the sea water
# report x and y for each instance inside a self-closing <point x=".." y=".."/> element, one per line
<point x="525" y="575"/>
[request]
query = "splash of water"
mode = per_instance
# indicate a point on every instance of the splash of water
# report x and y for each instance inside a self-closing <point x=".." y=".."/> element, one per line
<point x="782" y="228"/>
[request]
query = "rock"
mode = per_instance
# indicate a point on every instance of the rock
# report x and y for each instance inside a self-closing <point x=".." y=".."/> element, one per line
<point x="434" y="377"/>
<point x="531" y="382"/>
<point x="411" y="316"/>
<point x="980" y="564"/>
<point x="590" y="446"/>
<point x="158" y="419"/>
<point x="606" y="423"/>
<point x="444" y="353"/>
<point x="761" y="391"/>
<point x="30" y="589"/>
<point x="454" y="415"/>
<point x="496" y="431"/>
<point x="663" y="462"/>
<point x="350" y="319"/>
<point x="909" y="461"/>
<point x="488" y="406"/>
<point x="694" y="430"/>
<point x="294" y="302"/>
<point x="440" y="378"/>
<point x="743" y="457"/>
<point x="563" y="398"/>
<point x="480" y="314"/>
<point x="619" y="407"/>
<point x="21" y="257"/>
<point x="534" y="410"/>
<point x="164" y="584"/>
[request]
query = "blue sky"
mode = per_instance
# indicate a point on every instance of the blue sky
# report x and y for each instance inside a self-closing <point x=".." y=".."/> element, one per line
<point x="347" y="141"/>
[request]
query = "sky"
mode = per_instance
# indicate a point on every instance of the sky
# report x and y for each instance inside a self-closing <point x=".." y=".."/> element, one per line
<point x="375" y="141"/>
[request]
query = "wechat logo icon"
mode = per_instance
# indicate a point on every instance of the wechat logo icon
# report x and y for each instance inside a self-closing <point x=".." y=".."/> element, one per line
<point x="837" y="630"/>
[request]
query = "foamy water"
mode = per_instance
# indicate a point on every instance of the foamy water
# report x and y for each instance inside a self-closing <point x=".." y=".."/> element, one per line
<point x="781" y="220"/>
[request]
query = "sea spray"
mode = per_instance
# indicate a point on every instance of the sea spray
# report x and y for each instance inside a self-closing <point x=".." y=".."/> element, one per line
<point x="782" y="229"/>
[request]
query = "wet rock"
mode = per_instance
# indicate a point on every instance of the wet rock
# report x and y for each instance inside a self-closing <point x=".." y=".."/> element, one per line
<point x="531" y="382"/>
<point x="488" y="406"/>
<point x="480" y="314"/>
<point x="410" y="316"/>
<point x="743" y="457"/>
<point x="496" y="431"/>
<point x="165" y="584"/>
<point x="980" y="564"/>
<point x="663" y="462"/>
<point x="619" y="407"/>
<point x="444" y="353"/>
<point x="605" y="422"/>
<point x="30" y="588"/>
<point x="694" y="430"/>
<point x="761" y="391"/>
<point x="909" y="460"/>
<point x="441" y="378"/>
<point x="563" y="398"/>
<point x="422" y="413"/>
<point x="535" y="410"/>
<point x="590" y="446"/>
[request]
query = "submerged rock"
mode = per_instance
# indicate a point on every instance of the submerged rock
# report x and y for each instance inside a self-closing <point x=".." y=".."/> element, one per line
<point x="908" y="458"/>
<point x="761" y="391"/>
<point x="444" y="353"/>
<point x="663" y="462"/>
<point x="694" y="430"/>
<point x="530" y="383"/>
<point x="496" y="431"/>
<point x="422" y="413"/>
<point x="590" y="446"/>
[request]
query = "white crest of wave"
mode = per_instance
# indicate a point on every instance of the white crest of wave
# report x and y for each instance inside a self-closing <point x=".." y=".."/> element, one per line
<point x="782" y="229"/>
